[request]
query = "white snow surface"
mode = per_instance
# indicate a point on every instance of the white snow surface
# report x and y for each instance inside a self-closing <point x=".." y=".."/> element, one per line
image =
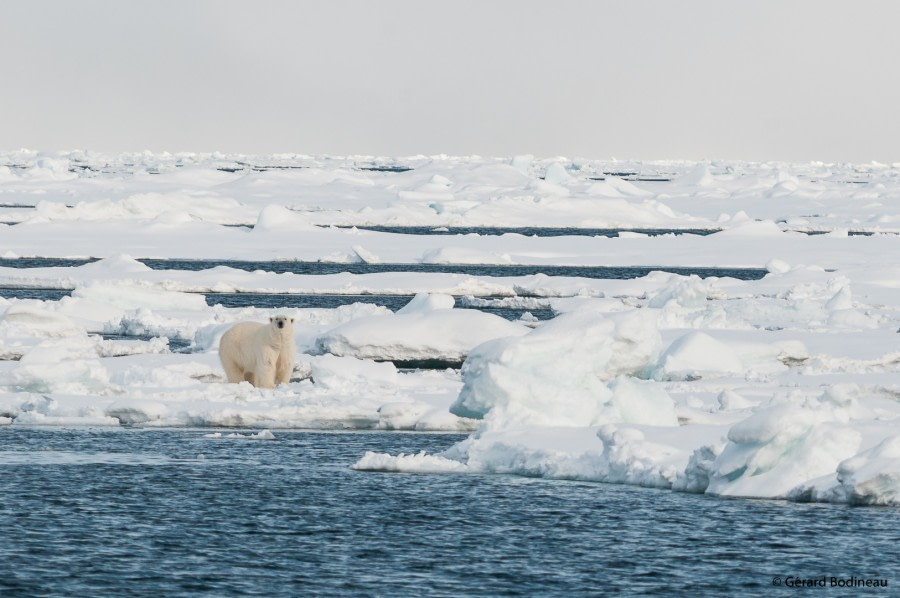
<point x="786" y="387"/>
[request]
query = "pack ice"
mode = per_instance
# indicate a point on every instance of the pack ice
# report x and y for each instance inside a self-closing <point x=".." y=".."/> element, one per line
<point x="786" y="386"/>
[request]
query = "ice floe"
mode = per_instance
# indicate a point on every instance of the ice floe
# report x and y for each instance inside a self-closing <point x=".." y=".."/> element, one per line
<point x="785" y="387"/>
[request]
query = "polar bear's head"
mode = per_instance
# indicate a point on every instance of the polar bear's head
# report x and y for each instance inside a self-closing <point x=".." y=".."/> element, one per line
<point x="282" y="322"/>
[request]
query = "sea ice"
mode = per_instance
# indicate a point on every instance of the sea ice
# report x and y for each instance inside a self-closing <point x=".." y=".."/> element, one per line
<point x="784" y="387"/>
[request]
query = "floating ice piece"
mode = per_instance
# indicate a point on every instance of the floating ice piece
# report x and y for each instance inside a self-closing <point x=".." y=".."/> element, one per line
<point x="463" y="255"/>
<point x="50" y="169"/>
<point x="33" y="418"/>
<point x="560" y="374"/>
<point x="628" y="189"/>
<point x="752" y="228"/>
<point x="417" y="463"/>
<point x="871" y="477"/>
<point x="841" y="300"/>
<point x="783" y="446"/>
<point x="40" y="321"/>
<point x="401" y="416"/>
<point x="777" y="266"/>
<point x="522" y="163"/>
<point x="438" y="188"/>
<point x="128" y="296"/>
<point x="642" y="401"/>
<point x="278" y="218"/>
<point x="343" y="373"/>
<point x="437" y="183"/>
<point x="851" y="319"/>
<point x="68" y="365"/>
<point x="365" y="255"/>
<point x="426" y="302"/>
<point x="548" y="189"/>
<point x="445" y="334"/>
<point x="699" y="176"/>
<point x="557" y="174"/>
<point x="682" y="291"/>
<point x="728" y="400"/>
<point x="603" y="189"/>
<point x="136" y="411"/>
<point x="695" y="355"/>
<point x="113" y="267"/>
<point x="695" y="477"/>
<point x="261" y="435"/>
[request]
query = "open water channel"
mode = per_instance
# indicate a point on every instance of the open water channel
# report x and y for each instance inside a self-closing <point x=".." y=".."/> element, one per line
<point x="122" y="511"/>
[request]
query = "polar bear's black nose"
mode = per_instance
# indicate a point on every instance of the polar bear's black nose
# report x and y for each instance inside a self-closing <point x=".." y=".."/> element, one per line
<point x="281" y="323"/>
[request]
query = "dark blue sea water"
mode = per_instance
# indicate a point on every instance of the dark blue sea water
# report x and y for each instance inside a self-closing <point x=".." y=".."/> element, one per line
<point x="283" y="300"/>
<point x="318" y="268"/>
<point x="534" y="231"/>
<point x="39" y="294"/>
<point x="543" y="231"/>
<point x="392" y="302"/>
<point x="97" y="512"/>
<point x="605" y="272"/>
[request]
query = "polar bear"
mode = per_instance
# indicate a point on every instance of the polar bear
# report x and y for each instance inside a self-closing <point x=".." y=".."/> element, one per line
<point x="261" y="354"/>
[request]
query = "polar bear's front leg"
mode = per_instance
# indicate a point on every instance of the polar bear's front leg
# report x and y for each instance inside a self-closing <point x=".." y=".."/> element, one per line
<point x="264" y="373"/>
<point x="284" y="369"/>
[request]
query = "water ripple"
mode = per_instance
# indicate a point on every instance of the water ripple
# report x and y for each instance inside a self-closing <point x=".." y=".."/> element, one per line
<point x="134" y="512"/>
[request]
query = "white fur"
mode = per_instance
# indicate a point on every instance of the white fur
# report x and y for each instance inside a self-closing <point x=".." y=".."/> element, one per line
<point x="261" y="354"/>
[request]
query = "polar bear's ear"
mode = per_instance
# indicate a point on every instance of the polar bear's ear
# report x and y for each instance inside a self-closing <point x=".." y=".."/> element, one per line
<point x="292" y="320"/>
<point x="271" y="320"/>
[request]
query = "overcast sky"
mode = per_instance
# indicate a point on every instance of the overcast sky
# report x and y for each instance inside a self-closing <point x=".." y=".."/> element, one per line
<point x="783" y="79"/>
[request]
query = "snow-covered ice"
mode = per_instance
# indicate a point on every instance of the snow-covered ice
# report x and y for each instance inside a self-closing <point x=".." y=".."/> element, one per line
<point x="784" y="387"/>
